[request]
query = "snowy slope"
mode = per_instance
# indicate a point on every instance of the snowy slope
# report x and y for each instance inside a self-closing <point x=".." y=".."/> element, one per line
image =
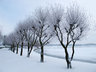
<point x="11" y="62"/>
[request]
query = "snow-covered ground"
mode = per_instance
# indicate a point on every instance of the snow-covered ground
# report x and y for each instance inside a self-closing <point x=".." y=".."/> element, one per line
<point x="82" y="53"/>
<point x="11" y="62"/>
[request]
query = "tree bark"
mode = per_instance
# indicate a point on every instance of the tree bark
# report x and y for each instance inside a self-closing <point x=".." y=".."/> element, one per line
<point x="73" y="51"/>
<point x="42" y="54"/>
<point x="13" y="48"/>
<point x="17" y="48"/>
<point x="29" y="52"/>
<point x="66" y="56"/>
<point x="28" y="46"/>
<point x="21" y="49"/>
<point x="42" y="51"/>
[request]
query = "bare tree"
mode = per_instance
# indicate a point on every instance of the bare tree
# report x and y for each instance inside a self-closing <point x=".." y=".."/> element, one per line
<point x="17" y="41"/>
<point x="44" y="31"/>
<point x="26" y="32"/>
<point x="10" y="40"/>
<point x="77" y="22"/>
<point x="13" y="41"/>
<point x="69" y="27"/>
<point x="21" y="29"/>
<point x="57" y="21"/>
<point x="30" y="34"/>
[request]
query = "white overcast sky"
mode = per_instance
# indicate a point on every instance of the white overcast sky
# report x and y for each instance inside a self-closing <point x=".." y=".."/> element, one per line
<point x="13" y="11"/>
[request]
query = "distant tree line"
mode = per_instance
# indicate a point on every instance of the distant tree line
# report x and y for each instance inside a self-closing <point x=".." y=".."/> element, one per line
<point x="67" y="25"/>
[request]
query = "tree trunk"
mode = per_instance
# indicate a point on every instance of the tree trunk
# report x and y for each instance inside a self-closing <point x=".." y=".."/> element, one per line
<point x="73" y="50"/>
<point x="42" y="51"/>
<point x="66" y="56"/>
<point x="28" y="46"/>
<point x="13" y="48"/>
<point x="21" y="49"/>
<point x="17" y="48"/>
<point x="29" y="52"/>
<point x="42" y="54"/>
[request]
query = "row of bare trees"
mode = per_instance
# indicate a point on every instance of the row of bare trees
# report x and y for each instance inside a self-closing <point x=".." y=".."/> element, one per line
<point x="67" y="25"/>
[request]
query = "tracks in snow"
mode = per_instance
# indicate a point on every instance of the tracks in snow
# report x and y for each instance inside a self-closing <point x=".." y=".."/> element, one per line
<point x="80" y="60"/>
<point x="60" y="57"/>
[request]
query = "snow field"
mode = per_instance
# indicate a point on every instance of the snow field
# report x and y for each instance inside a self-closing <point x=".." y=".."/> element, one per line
<point x="11" y="62"/>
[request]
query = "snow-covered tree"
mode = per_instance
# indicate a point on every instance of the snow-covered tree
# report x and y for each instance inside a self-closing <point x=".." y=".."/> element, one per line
<point x="77" y="25"/>
<point x="21" y="30"/>
<point x="30" y="34"/>
<point x="10" y="40"/>
<point x="69" y="27"/>
<point x="17" y="41"/>
<point x="44" y="30"/>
